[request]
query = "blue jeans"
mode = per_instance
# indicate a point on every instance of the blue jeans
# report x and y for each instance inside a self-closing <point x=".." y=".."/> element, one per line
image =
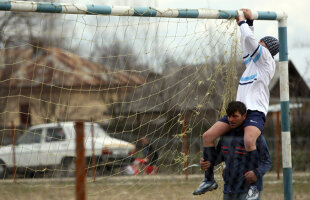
<point x="239" y="196"/>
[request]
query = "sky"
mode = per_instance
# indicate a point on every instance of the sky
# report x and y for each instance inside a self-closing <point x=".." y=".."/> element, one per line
<point x="298" y="20"/>
<point x="298" y="27"/>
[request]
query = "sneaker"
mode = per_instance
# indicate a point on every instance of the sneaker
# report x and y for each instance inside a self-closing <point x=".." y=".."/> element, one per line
<point x="205" y="186"/>
<point x="253" y="193"/>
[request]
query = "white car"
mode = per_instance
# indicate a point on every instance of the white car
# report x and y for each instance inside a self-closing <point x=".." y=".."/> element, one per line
<point x="51" y="147"/>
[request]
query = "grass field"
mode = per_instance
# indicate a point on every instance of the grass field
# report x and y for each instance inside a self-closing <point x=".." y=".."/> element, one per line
<point x="139" y="188"/>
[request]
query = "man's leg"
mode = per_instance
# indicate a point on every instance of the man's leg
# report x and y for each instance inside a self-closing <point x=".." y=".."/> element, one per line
<point x="209" y="154"/>
<point x="251" y="133"/>
<point x="241" y="196"/>
<point x="253" y="194"/>
<point x="229" y="196"/>
<point x="218" y="129"/>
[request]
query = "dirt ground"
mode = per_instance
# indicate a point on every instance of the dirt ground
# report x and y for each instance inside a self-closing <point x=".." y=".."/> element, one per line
<point x="139" y="188"/>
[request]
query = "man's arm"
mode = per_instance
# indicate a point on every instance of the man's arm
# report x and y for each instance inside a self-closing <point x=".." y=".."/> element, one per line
<point x="249" y="43"/>
<point x="241" y="18"/>
<point x="264" y="161"/>
<point x="249" y="18"/>
<point x="204" y="165"/>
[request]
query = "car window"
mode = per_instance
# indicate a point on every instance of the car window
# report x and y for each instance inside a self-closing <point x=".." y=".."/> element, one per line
<point x="30" y="136"/>
<point x="55" y="134"/>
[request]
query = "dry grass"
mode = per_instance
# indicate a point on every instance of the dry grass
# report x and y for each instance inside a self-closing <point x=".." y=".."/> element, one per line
<point x="139" y="188"/>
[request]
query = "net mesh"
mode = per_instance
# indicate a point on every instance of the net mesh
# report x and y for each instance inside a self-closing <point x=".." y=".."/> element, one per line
<point x="164" y="79"/>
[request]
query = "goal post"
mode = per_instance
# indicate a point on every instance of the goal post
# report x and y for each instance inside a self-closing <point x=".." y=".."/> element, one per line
<point x="66" y="8"/>
<point x="285" y="110"/>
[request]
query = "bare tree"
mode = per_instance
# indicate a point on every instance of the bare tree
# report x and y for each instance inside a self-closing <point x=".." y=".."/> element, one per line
<point x="118" y="56"/>
<point x="5" y="61"/>
<point x="20" y="30"/>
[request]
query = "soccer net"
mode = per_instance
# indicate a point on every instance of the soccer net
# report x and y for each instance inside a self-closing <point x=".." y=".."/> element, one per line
<point x="126" y="77"/>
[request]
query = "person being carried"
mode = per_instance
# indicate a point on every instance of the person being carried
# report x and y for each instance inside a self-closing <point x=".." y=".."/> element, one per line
<point x="242" y="180"/>
<point x="253" y="91"/>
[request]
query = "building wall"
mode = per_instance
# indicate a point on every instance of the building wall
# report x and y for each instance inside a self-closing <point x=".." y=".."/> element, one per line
<point x="58" y="105"/>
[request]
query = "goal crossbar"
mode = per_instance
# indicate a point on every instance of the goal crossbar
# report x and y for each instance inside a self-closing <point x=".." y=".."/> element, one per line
<point x="66" y="8"/>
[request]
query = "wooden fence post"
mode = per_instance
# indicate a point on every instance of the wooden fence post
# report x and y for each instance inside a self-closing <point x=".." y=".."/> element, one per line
<point x="80" y="173"/>
<point x="185" y="148"/>
<point x="93" y="162"/>
<point x="13" y="150"/>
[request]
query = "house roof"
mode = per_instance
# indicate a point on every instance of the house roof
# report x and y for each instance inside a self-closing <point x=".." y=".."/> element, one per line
<point x="300" y="57"/>
<point x="52" y="66"/>
<point x="148" y="97"/>
<point x="180" y="89"/>
<point x="298" y="87"/>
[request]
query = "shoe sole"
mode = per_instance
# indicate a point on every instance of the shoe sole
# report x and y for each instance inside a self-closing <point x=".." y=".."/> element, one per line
<point x="209" y="190"/>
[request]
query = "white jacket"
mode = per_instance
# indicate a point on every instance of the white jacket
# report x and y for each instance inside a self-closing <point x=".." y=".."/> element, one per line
<point x="253" y="88"/>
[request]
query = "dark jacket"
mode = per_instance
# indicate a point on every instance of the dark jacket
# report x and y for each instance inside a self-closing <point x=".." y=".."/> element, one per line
<point x="150" y="153"/>
<point x="232" y="151"/>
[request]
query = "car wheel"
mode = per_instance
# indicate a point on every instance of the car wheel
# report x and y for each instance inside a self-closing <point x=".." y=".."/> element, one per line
<point x="2" y="170"/>
<point x="69" y="167"/>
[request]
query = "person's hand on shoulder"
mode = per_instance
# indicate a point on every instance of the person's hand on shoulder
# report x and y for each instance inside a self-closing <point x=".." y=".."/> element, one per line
<point x="204" y="165"/>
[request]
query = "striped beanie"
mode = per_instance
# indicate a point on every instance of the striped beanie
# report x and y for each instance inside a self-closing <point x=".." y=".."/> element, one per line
<point x="272" y="44"/>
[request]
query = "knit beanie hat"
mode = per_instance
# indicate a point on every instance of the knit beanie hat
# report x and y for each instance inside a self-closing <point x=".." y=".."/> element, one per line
<point x="272" y="44"/>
